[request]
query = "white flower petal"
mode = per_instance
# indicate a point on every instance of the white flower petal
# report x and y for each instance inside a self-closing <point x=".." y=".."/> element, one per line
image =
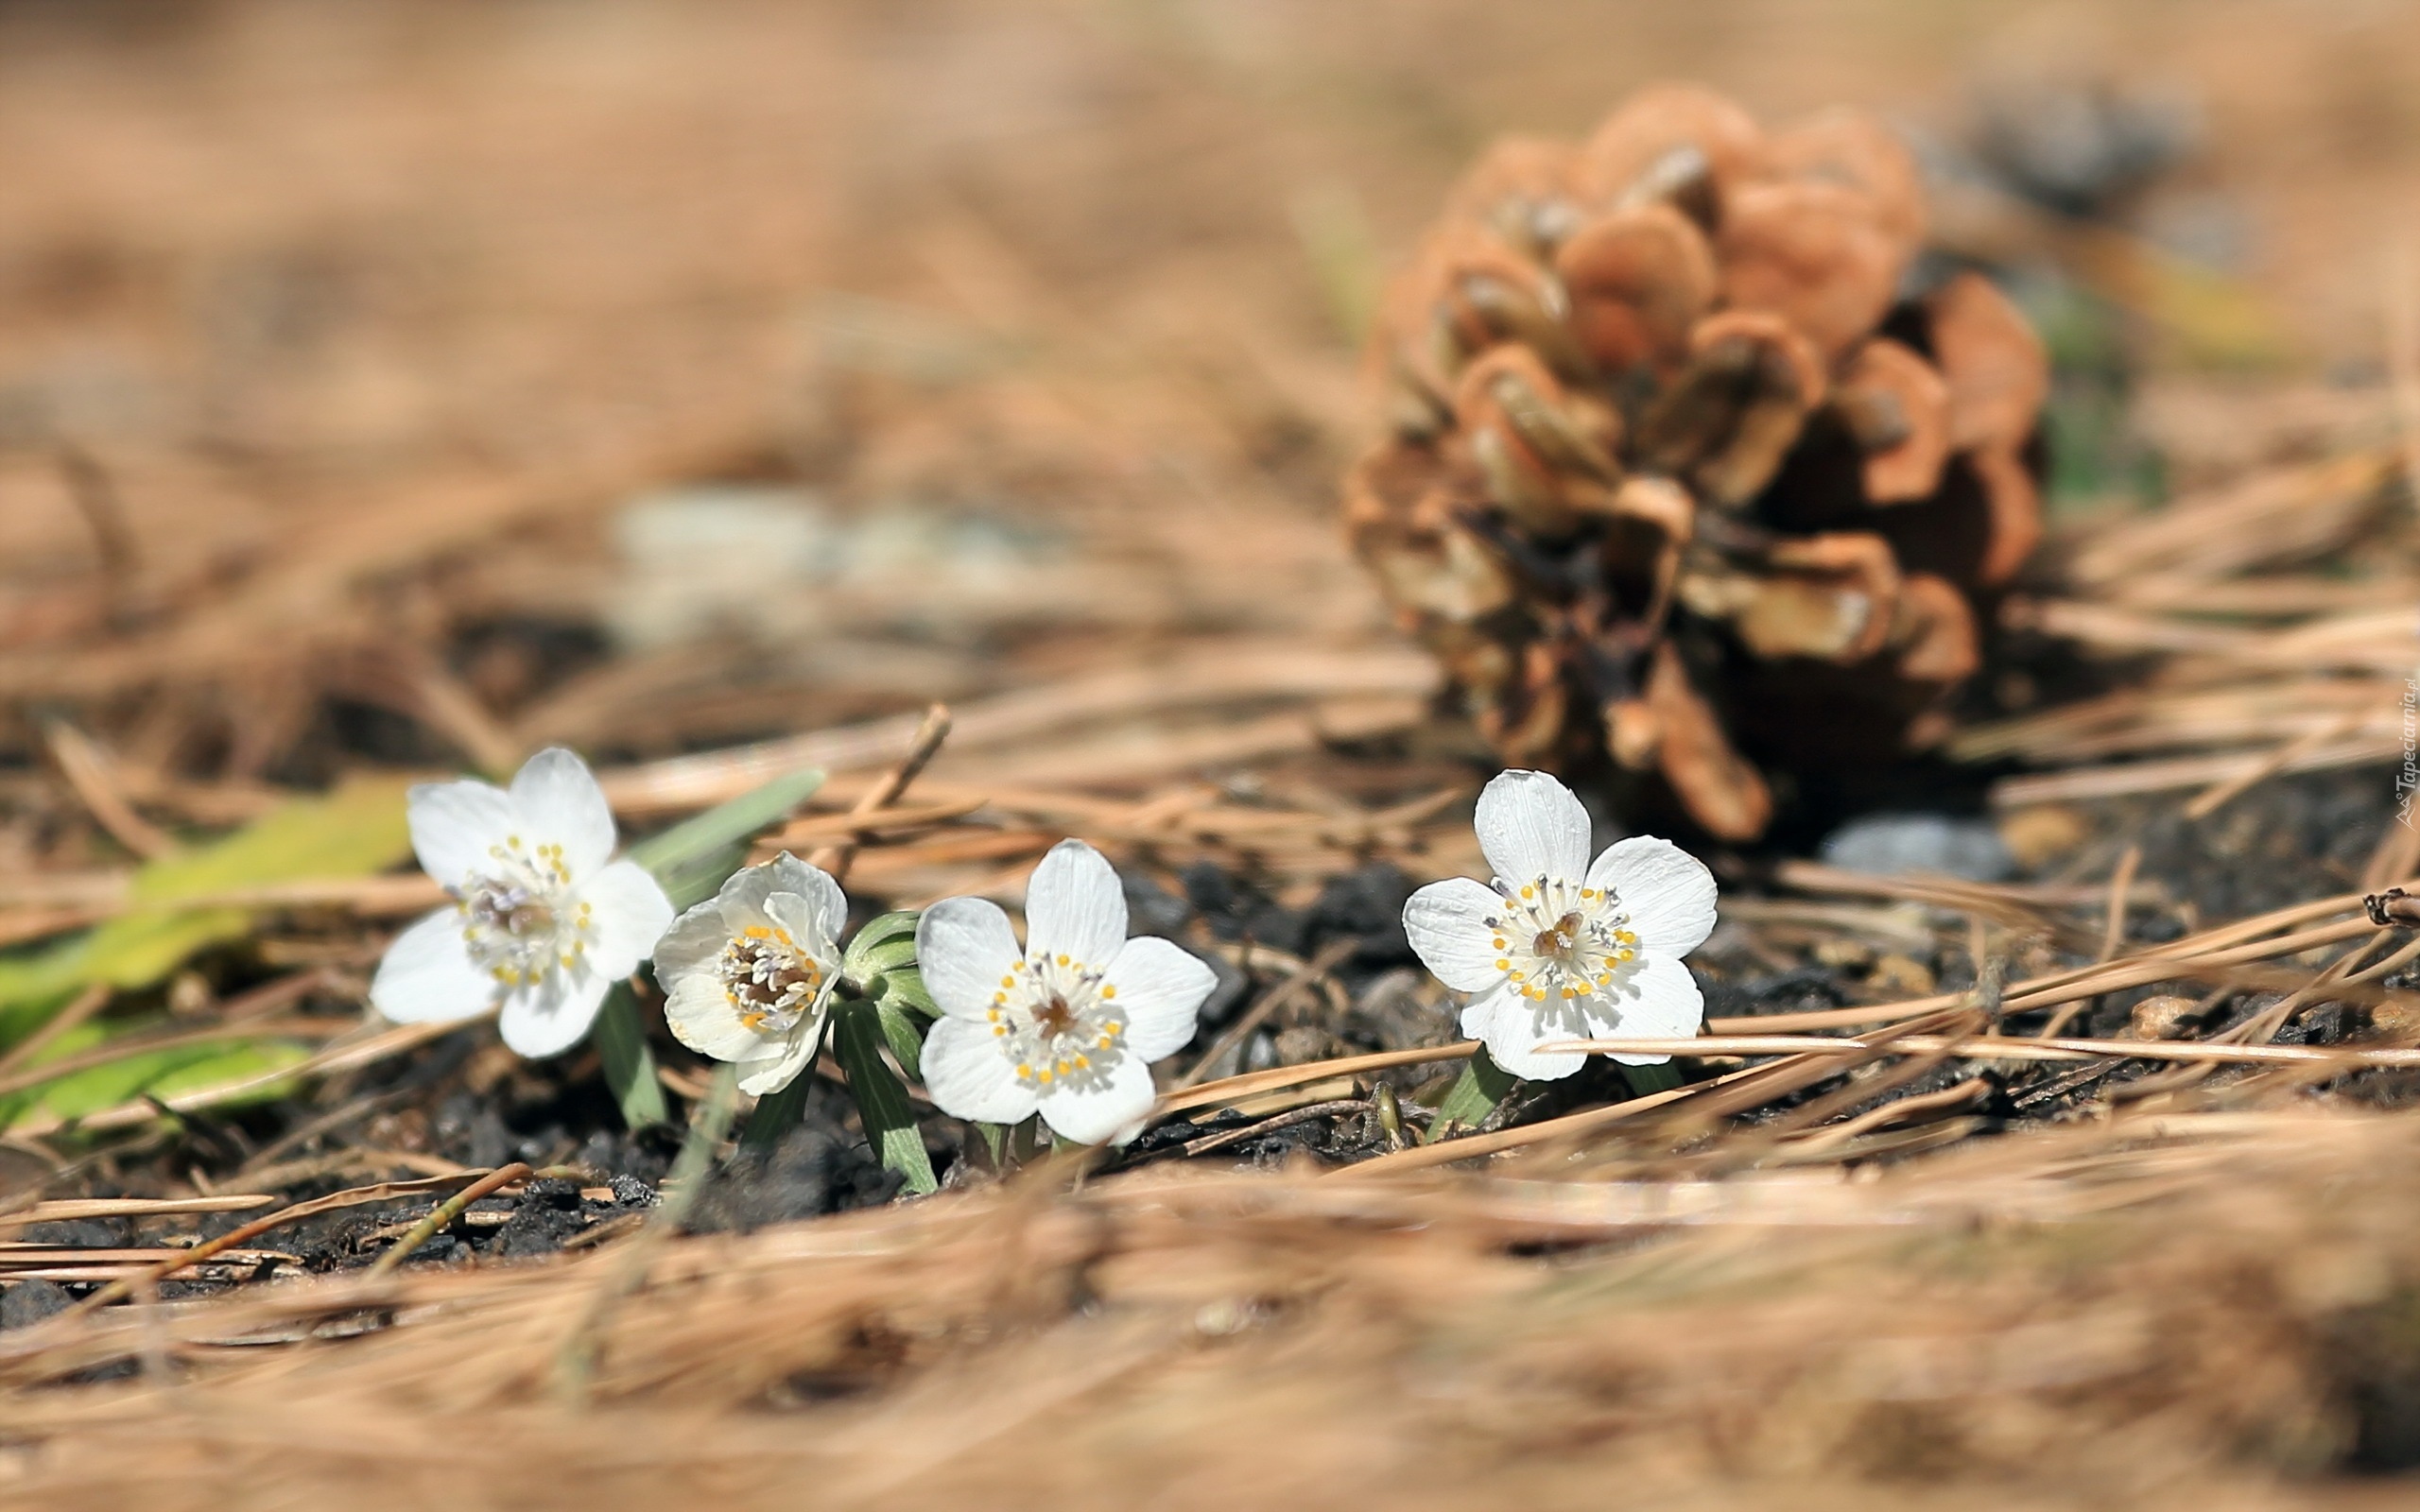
<point x="1509" y="1025"/>
<point x="427" y="974"/>
<point x="804" y="919"/>
<point x="701" y="1014"/>
<point x="1447" y="922"/>
<point x="1667" y="892"/>
<point x="1160" y="988"/>
<point x="694" y="943"/>
<point x="967" y="1078"/>
<point x="1657" y="999"/>
<point x="1074" y="906"/>
<point x="745" y="891"/>
<point x="751" y="888"/>
<point x="631" y="914"/>
<point x="1110" y="1112"/>
<point x="1531" y="825"/>
<point x="558" y="799"/>
<point x="454" y="826"/>
<point x="826" y="912"/>
<point x="964" y="946"/>
<point x="770" y="1074"/>
<point x="550" y="1018"/>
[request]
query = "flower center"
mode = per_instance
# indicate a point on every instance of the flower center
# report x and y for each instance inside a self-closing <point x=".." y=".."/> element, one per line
<point x="769" y="980"/>
<point x="1558" y="941"/>
<point x="1057" y="1023"/>
<point x="518" y="920"/>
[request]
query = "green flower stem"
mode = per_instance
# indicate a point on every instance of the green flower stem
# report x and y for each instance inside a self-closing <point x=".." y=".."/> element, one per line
<point x="1482" y="1086"/>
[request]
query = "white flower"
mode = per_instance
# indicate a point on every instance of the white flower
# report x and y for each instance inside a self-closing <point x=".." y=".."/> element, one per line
<point x="1560" y="949"/>
<point x="748" y="974"/>
<point x="541" y="924"/>
<point x="1067" y="1026"/>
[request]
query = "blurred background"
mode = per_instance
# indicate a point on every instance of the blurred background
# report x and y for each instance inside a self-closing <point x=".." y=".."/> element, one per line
<point x="419" y="382"/>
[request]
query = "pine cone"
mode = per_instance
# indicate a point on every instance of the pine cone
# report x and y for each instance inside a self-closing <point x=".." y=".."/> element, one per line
<point x="1679" y="483"/>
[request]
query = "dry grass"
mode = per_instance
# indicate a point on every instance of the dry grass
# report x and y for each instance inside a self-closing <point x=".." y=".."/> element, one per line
<point x="2014" y="1323"/>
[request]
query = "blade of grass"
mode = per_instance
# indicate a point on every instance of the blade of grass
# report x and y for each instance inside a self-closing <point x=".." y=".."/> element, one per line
<point x="355" y="831"/>
<point x="692" y="858"/>
<point x="629" y="1066"/>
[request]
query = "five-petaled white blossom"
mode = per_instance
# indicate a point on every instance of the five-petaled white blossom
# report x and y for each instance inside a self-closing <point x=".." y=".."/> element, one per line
<point x="1560" y="948"/>
<point x="748" y="974"/>
<point x="541" y="921"/>
<point x="1067" y="1026"/>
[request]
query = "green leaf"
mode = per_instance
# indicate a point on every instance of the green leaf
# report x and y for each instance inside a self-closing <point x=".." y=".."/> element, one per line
<point x="995" y="1139"/>
<point x="694" y="858"/>
<point x="885" y="929"/>
<point x="629" y="1067"/>
<point x="240" y="1060"/>
<point x="882" y="1102"/>
<point x="1483" y="1085"/>
<point x="903" y="1033"/>
<point x="905" y="986"/>
<point x="881" y="962"/>
<point x="881" y="946"/>
<point x="164" y="1073"/>
<point x="356" y="830"/>
<point x="1646" y="1079"/>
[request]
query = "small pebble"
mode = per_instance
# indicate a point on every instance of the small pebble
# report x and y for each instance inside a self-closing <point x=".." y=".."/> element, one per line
<point x="1901" y="974"/>
<point x="551" y="1192"/>
<point x="2164" y="1017"/>
<point x="1306" y="1042"/>
<point x="26" y="1302"/>
<point x="2044" y="832"/>
<point x="1893" y="845"/>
